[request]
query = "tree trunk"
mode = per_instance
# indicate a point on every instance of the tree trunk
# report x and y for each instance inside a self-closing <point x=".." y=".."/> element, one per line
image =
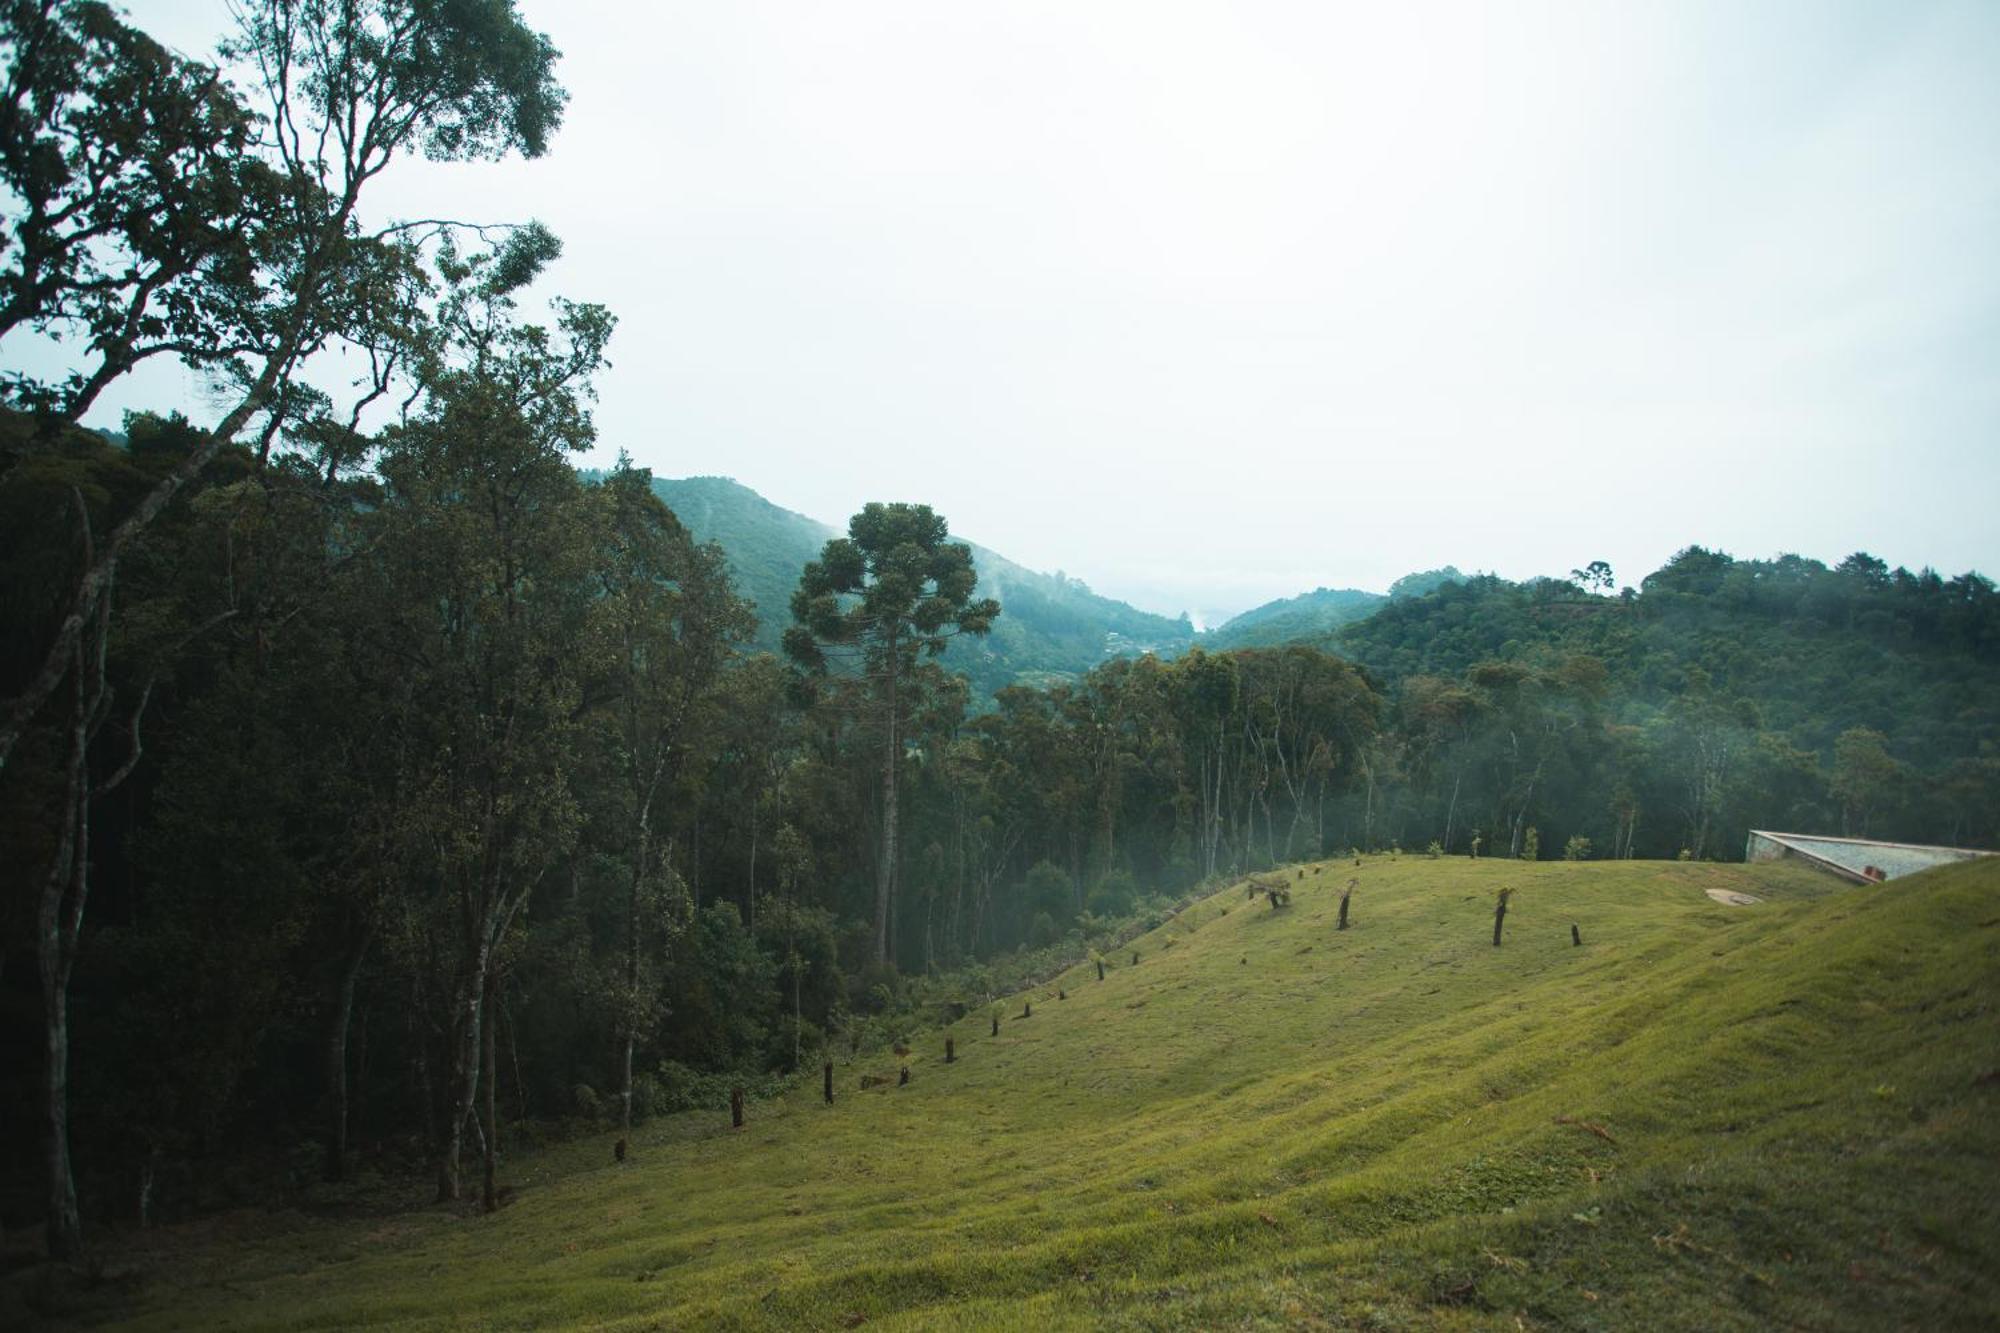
<point x="750" y="891"/>
<point x="885" y="878"/>
<point x="65" y="1223"/>
<point x="631" y="992"/>
<point x="489" y="1080"/>
<point x="1451" y="812"/>
<point x="59" y="921"/>
<point x="465" y="1062"/>
<point x="336" y="1060"/>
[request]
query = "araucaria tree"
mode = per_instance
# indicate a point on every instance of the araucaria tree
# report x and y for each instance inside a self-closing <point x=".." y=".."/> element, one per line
<point x="894" y="589"/>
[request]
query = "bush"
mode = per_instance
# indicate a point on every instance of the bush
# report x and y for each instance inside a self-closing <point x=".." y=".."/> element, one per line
<point x="1042" y="931"/>
<point x="1577" y="848"/>
<point x="1048" y="891"/>
<point x="675" y="1087"/>
<point x="1113" y="895"/>
<point x="1435" y="850"/>
<point x="1531" y="845"/>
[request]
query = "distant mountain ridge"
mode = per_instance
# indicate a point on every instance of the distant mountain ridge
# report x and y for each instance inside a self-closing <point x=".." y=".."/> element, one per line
<point x="1310" y="615"/>
<point x="1051" y="627"/>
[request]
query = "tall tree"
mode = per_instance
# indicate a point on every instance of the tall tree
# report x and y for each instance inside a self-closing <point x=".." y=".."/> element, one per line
<point x="666" y="621"/>
<point x="892" y="590"/>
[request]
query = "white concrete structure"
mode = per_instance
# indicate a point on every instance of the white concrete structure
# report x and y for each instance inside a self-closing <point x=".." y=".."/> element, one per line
<point x="1859" y="859"/>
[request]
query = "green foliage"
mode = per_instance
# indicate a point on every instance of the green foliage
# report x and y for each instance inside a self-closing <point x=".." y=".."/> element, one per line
<point x="1113" y="895"/>
<point x="1047" y="891"/>
<point x="1577" y="848"/>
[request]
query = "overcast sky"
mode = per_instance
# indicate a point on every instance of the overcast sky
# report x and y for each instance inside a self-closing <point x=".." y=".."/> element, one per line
<point x="1208" y="304"/>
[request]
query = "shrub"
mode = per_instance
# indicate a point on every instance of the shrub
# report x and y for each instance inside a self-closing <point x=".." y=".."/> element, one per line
<point x="1531" y="845"/>
<point x="1577" y="848"/>
<point x="1048" y="891"/>
<point x="1435" y="850"/>
<point x="1113" y="895"/>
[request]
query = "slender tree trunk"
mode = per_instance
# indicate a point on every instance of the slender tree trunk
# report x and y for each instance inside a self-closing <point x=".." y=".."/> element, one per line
<point x="1451" y="812"/>
<point x="750" y="891"/>
<point x="59" y="920"/>
<point x="489" y="1081"/>
<point x="336" y="1058"/>
<point x="885" y="879"/>
<point x="464" y="1069"/>
<point x="631" y="1006"/>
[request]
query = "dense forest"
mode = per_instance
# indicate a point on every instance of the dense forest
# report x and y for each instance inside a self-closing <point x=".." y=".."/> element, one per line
<point x="377" y="785"/>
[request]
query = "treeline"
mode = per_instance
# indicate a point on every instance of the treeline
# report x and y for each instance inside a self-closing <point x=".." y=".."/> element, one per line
<point x="1719" y="696"/>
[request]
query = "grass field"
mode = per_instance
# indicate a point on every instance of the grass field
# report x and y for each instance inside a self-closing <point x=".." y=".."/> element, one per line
<point x="1706" y="1117"/>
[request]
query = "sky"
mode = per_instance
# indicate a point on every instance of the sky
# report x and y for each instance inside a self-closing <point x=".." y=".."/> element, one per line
<point x="1211" y="304"/>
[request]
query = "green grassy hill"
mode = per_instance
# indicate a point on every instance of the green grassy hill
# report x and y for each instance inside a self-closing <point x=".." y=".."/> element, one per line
<point x="1706" y="1117"/>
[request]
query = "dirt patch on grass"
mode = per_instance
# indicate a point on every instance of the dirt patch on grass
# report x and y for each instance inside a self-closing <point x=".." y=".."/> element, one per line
<point x="1731" y="898"/>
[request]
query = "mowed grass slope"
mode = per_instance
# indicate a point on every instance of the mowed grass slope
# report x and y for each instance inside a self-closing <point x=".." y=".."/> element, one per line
<point x="1266" y="1122"/>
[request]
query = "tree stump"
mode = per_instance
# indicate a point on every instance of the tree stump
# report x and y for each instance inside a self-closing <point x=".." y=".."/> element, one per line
<point x="829" y="1082"/>
<point x="1349" y="893"/>
<point x="1060" y="994"/>
<point x="736" y="1108"/>
<point x="1575" y="935"/>
<point x="618" y="1150"/>
<point x="1135" y="958"/>
<point x="1500" y="913"/>
<point x="949" y="1054"/>
<point x="1026" y="1008"/>
<point x="1100" y="969"/>
<point x="996" y="1025"/>
<point x="904" y="1080"/>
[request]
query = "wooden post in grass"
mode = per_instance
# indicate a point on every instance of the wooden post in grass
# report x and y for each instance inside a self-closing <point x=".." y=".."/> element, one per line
<point x="949" y="1054"/>
<point x="1500" y="913"/>
<point x="904" y="1081"/>
<point x="1575" y="935"/>
<point x="1345" y="894"/>
<point x="1026" y="1009"/>
<point x="996" y="1022"/>
<point x="1061" y="994"/>
<point x="1100" y="969"/>
<point x="736" y="1108"/>
<point x="1135" y="958"/>
<point x="829" y="1082"/>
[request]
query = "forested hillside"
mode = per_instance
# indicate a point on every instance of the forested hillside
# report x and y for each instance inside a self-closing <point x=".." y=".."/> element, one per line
<point x="1054" y="627"/>
<point x="1308" y="616"/>
<point x="1720" y="695"/>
